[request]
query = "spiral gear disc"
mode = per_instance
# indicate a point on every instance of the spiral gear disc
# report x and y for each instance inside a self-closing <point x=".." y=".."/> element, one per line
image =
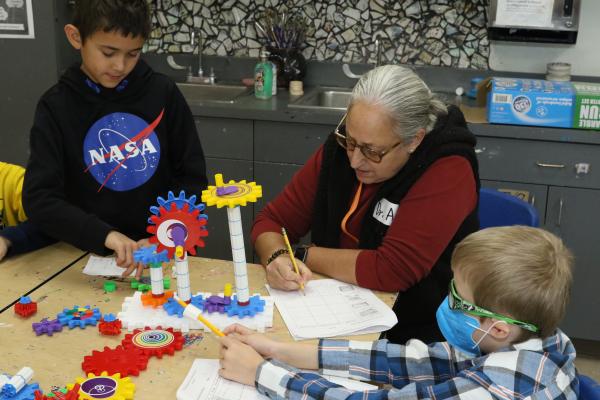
<point x="154" y="342"/>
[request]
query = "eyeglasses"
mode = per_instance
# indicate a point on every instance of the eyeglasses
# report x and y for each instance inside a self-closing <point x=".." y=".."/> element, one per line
<point x="350" y="144"/>
<point x="458" y="303"/>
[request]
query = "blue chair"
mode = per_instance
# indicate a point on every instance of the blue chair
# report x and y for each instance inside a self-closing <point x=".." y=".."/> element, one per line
<point x="588" y="388"/>
<point x="502" y="209"/>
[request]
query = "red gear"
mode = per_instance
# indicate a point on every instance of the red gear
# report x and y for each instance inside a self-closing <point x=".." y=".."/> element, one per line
<point x="110" y="328"/>
<point x="190" y="219"/>
<point x="117" y="360"/>
<point x="172" y="341"/>
<point x="26" y="310"/>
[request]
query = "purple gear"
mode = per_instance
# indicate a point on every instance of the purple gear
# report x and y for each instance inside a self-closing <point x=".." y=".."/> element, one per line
<point x="47" y="327"/>
<point x="72" y="317"/>
<point x="255" y="306"/>
<point x="217" y="304"/>
<point x="224" y="191"/>
<point x="27" y="393"/>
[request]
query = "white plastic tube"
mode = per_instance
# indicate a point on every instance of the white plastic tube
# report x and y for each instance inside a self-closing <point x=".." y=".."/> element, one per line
<point x="21" y="379"/>
<point x="184" y="291"/>
<point x="238" y="253"/>
<point x="156" y="280"/>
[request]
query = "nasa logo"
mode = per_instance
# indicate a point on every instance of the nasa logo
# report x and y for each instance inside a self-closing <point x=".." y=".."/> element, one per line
<point x="122" y="151"/>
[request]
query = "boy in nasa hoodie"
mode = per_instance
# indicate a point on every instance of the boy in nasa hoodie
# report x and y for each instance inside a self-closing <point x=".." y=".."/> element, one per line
<point x="109" y="137"/>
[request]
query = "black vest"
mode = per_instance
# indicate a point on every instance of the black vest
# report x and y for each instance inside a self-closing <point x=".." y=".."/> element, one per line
<point x="415" y="307"/>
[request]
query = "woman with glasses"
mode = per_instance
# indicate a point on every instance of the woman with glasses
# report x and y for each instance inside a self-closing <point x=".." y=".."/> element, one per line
<point x="385" y="199"/>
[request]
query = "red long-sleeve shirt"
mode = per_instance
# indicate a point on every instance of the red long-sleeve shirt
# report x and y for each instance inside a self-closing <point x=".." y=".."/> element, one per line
<point x="426" y="220"/>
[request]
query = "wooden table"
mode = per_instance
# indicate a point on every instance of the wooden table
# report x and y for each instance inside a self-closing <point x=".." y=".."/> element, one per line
<point x="23" y="273"/>
<point x="57" y="360"/>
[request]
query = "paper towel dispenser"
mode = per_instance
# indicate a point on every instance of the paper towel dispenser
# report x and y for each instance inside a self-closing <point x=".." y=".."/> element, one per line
<point x="545" y="21"/>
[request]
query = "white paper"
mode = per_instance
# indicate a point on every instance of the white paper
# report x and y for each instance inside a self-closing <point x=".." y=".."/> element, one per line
<point x="204" y="383"/>
<point x="332" y="308"/>
<point x="527" y="13"/>
<point x="104" y="266"/>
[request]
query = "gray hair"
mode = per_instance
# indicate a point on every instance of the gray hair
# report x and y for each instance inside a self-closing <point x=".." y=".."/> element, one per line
<point x="401" y="92"/>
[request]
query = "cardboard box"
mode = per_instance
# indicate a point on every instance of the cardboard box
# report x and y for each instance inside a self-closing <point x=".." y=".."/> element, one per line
<point x="587" y="105"/>
<point x="534" y="102"/>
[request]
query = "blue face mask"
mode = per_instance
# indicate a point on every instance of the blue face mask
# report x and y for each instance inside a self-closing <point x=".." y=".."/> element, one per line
<point x="458" y="327"/>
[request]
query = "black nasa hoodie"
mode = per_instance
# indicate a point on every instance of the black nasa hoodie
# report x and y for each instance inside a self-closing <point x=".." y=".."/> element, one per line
<point x="100" y="157"/>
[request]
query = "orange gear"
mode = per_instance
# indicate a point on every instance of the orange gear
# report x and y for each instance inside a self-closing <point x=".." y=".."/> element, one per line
<point x="195" y="226"/>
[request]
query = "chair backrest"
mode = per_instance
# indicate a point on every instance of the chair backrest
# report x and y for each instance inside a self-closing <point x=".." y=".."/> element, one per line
<point x="588" y="388"/>
<point x="501" y="209"/>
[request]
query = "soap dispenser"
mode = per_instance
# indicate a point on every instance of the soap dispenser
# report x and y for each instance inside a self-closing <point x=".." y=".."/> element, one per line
<point x="263" y="77"/>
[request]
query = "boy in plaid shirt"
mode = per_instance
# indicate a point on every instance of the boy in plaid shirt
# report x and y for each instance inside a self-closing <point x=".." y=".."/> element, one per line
<point x="510" y="290"/>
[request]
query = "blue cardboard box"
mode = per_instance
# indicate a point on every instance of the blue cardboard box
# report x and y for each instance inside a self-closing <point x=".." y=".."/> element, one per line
<point x="531" y="102"/>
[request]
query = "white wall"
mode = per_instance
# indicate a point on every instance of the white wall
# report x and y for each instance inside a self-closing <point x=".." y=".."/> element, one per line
<point x="584" y="56"/>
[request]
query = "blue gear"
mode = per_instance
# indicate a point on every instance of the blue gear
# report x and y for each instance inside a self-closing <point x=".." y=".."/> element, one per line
<point x="179" y="203"/>
<point x="27" y="393"/>
<point x="172" y="307"/>
<point x="256" y="306"/>
<point x="148" y="255"/>
<point x="70" y="318"/>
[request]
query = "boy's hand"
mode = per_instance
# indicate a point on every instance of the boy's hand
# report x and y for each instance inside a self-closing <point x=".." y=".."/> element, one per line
<point x="123" y="248"/>
<point x="4" y="245"/>
<point x="281" y="273"/>
<point x="239" y="361"/>
<point x="262" y="344"/>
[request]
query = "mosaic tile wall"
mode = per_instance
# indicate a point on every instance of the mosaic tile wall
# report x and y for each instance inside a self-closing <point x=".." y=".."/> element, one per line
<point x="433" y="32"/>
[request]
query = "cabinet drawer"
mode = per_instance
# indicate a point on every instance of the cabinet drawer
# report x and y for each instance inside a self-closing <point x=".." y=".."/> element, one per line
<point x="225" y="137"/>
<point x="548" y="163"/>
<point x="291" y="143"/>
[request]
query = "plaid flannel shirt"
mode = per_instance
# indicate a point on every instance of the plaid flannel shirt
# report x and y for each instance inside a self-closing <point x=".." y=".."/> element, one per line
<point x="534" y="369"/>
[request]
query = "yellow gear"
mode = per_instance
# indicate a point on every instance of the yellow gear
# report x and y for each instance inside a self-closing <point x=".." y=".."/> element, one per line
<point x="245" y="193"/>
<point x="123" y="389"/>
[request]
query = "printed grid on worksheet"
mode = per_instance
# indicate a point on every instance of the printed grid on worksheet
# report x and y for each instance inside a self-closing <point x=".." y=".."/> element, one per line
<point x="323" y="306"/>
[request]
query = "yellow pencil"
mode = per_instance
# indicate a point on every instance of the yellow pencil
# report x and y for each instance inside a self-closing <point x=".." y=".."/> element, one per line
<point x="291" y="254"/>
<point x="196" y="314"/>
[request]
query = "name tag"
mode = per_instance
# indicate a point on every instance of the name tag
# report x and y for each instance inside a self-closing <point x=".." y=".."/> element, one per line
<point x="385" y="212"/>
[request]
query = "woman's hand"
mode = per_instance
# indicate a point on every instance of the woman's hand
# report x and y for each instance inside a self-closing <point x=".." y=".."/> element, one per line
<point x="124" y="248"/>
<point x="239" y="361"/>
<point x="261" y="343"/>
<point x="281" y="274"/>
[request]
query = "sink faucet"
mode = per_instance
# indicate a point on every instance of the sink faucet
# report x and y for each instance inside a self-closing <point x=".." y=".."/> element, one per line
<point x="200" y="78"/>
<point x="378" y="46"/>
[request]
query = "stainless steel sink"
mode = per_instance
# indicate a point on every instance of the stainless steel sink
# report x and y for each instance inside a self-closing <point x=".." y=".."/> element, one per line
<point x="323" y="98"/>
<point x="212" y="93"/>
<point x="328" y="98"/>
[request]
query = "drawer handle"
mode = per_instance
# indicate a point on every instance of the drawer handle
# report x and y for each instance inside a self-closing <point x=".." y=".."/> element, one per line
<point x="546" y="165"/>
<point x="560" y="212"/>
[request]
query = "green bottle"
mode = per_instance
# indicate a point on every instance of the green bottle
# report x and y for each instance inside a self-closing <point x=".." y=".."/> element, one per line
<point x="263" y="77"/>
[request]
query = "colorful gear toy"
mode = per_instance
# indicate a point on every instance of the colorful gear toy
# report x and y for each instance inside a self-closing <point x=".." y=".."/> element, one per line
<point x="47" y="327"/>
<point x="256" y="305"/>
<point x="151" y="300"/>
<point x="59" y="394"/>
<point x="148" y="256"/>
<point x="110" y="325"/>
<point x="179" y="202"/>
<point x="104" y="386"/>
<point x="79" y="316"/>
<point x="223" y="194"/>
<point x="195" y="227"/>
<point x="172" y="307"/>
<point x="117" y="360"/>
<point x="25" y="307"/>
<point x="154" y="342"/>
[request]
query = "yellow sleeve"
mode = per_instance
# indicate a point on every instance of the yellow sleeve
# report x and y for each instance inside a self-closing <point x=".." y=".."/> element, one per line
<point x="11" y="188"/>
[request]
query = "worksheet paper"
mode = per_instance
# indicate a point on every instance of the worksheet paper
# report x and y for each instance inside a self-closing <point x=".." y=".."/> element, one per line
<point x="204" y="383"/>
<point x="530" y="13"/>
<point x="103" y="266"/>
<point x="332" y="308"/>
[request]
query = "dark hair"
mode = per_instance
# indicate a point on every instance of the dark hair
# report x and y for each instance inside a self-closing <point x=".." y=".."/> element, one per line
<point x="124" y="16"/>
